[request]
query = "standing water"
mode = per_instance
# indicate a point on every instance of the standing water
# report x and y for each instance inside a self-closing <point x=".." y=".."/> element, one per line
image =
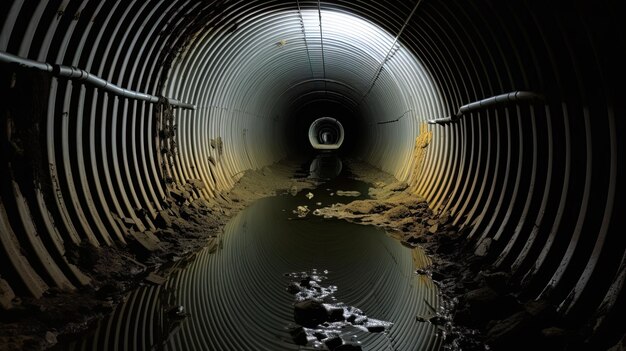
<point x="240" y="295"/>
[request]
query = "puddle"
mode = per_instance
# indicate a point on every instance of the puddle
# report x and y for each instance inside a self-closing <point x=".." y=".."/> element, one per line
<point x="237" y="297"/>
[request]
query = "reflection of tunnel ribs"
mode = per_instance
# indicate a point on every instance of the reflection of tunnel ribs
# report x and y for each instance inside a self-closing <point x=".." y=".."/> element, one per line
<point x="167" y="321"/>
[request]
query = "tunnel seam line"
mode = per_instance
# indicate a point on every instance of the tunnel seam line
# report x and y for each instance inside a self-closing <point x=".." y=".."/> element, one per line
<point x="319" y="12"/>
<point x="388" y="56"/>
<point x="306" y="44"/>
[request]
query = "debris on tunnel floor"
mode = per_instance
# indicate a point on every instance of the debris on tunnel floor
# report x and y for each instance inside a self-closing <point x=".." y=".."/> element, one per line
<point x="187" y="225"/>
<point x="479" y="307"/>
<point x="301" y="211"/>
<point x="477" y="304"/>
<point x="244" y="303"/>
<point x="322" y="320"/>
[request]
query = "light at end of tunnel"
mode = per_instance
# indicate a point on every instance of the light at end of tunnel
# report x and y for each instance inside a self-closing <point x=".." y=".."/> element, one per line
<point x="326" y="133"/>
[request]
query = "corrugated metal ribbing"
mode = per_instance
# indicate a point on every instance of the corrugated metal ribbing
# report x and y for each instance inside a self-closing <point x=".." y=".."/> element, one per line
<point x="92" y="174"/>
<point x="235" y="304"/>
<point x="540" y="180"/>
<point x="273" y="50"/>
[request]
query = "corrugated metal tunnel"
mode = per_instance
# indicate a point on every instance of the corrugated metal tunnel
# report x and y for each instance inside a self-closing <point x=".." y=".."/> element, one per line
<point x="538" y="180"/>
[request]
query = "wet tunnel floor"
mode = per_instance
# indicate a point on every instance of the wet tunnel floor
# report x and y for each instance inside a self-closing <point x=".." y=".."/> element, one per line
<point x="235" y="294"/>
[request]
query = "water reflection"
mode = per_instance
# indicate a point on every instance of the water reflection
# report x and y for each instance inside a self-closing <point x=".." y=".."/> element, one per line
<point x="325" y="166"/>
<point x="236" y="295"/>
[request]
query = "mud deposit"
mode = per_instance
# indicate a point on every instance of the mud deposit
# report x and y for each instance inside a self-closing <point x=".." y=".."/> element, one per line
<point x="238" y="294"/>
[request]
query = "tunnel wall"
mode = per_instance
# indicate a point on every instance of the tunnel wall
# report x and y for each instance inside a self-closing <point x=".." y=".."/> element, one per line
<point x="538" y="184"/>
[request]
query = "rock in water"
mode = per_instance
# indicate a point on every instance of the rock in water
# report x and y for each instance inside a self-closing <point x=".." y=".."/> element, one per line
<point x="333" y="343"/>
<point x="299" y="336"/>
<point x="301" y="211"/>
<point x="309" y="313"/>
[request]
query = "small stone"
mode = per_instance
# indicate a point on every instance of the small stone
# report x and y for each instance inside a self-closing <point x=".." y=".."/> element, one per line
<point x="146" y="239"/>
<point x="310" y="313"/>
<point x="482" y="296"/>
<point x="444" y="218"/>
<point x="540" y="309"/>
<point x="483" y="247"/>
<point x="301" y="211"/>
<point x="128" y="221"/>
<point x="477" y="307"/>
<point x="438" y="276"/>
<point x="293" y="288"/>
<point x="422" y="271"/>
<point x="376" y="328"/>
<point x="306" y="282"/>
<point x="333" y="343"/>
<point x="360" y="320"/>
<point x="177" y="312"/>
<point x="298" y="335"/>
<point x="555" y="338"/>
<point x="335" y="314"/>
<point x="437" y="320"/>
<point x="164" y="219"/>
<point x="106" y="306"/>
<point x="6" y="295"/>
<point x="417" y="239"/>
<point x="433" y="229"/>
<point x="51" y="338"/>
<point x="196" y="183"/>
<point x="309" y="195"/>
<point x="509" y="330"/>
<point x="155" y="279"/>
<point x="179" y="196"/>
<point x="320" y="336"/>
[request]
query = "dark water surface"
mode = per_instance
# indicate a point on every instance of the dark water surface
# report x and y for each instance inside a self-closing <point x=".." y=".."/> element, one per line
<point x="236" y="297"/>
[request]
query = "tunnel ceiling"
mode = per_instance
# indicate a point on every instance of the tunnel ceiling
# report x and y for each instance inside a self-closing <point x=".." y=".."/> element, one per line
<point x="536" y="183"/>
<point x="272" y="60"/>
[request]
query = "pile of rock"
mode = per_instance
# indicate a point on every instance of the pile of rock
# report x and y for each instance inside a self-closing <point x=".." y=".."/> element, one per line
<point x="322" y="321"/>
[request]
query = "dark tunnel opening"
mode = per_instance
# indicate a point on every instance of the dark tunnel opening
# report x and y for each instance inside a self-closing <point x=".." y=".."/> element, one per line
<point x="297" y="129"/>
<point x="125" y="124"/>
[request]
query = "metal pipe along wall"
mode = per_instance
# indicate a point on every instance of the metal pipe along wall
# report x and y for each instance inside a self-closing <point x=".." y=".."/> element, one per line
<point x="539" y="183"/>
